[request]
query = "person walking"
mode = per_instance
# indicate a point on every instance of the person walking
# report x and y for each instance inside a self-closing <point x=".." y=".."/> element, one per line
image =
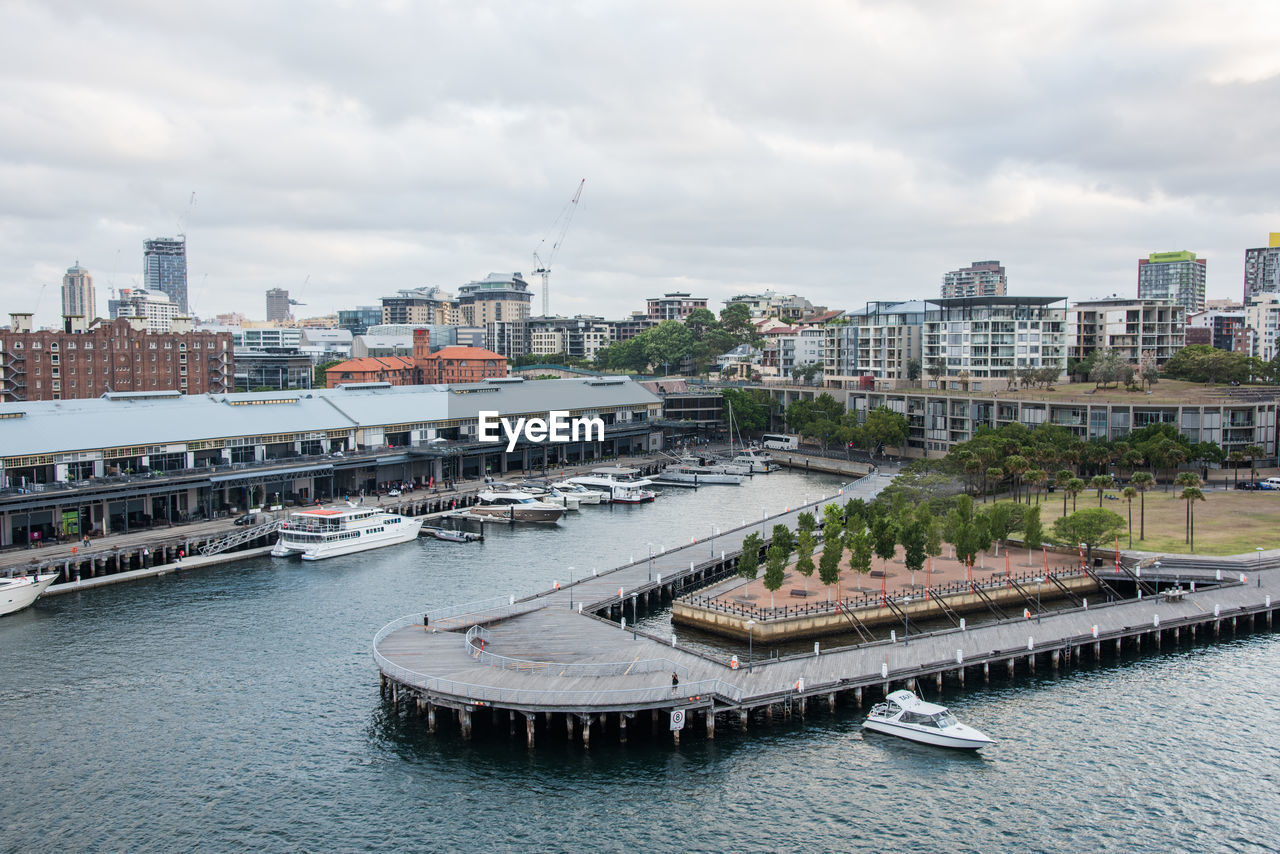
<point x="675" y="681"/>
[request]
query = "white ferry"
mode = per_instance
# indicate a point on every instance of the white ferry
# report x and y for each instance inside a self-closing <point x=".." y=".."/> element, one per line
<point x="324" y="532"/>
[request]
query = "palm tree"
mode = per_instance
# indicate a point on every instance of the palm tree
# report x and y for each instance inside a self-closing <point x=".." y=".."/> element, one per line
<point x="1074" y="487"/>
<point x="1188" y="480"/>
<point x="992" y="474"/>
<point x="1176" y="455"/>
<point x="1016" y="465"/>
<point x="1252" y="452"/>
<point x="1191" y="494"/>
<point x="1129" y="494"/>
<point x="1236" y="459"/>
<point x="1101" y="482"/>
<point x="1142" y="481"/>
<point x="1060" y="480"/>
<point x="1037" y="478"/>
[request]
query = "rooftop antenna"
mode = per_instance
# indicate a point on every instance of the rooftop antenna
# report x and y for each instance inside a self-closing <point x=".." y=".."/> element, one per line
<point x="544" y="270"/>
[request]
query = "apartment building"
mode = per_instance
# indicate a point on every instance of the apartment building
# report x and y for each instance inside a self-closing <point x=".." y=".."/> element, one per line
<point x="1134" y="329"/>
<point x="983" y="341"/>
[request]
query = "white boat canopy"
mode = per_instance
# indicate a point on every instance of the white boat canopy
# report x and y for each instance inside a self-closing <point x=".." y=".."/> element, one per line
<point x="911" y="703"/>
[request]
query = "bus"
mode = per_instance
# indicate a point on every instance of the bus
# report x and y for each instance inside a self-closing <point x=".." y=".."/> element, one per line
<point x="780" y="441"/>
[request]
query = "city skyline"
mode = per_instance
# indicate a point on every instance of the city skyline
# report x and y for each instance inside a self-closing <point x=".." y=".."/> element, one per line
<point x="860" y="152"/>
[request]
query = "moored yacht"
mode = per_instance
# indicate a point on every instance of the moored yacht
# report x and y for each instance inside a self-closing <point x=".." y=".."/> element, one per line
<point x="517" y="505"/>
<point x="754" y="460"/>
<point x="328" y="532"/>
<point x="623" y="484"/>
<point x="21" y="591"/>
<point x="580" y="492"/>
<point x="907" y="716"/>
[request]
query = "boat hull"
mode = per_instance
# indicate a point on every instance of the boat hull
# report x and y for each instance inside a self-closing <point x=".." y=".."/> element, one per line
<point x="520" y="514"/>
<point x="967" y="739"/>
<point x="19" y="593"/>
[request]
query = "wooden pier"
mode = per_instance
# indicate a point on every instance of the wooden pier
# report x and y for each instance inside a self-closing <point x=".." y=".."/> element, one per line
<point x="567" y="662"/>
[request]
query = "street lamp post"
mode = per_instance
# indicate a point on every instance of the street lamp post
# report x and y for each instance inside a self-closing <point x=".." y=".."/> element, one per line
<point x="751" y="624"/>
<point x="651" y="561"/>
<point x="1039" y="583"/>
<point x="570" y="588"/>
<point x="716" y="533"/>
<point x="633" y="616"/>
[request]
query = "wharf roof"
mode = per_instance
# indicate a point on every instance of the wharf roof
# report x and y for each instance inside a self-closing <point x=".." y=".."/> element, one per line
<point x="59" y="426"/>
<point x="372" y="363"/>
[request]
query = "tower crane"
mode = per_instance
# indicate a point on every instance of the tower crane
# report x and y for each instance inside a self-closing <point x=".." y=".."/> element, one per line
<point x="544" y="269"/>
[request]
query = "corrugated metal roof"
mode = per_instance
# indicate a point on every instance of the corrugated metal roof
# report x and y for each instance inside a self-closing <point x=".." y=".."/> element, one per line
<point x="77" y="425"/>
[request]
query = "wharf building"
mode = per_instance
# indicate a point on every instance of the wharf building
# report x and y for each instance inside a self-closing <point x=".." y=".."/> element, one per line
<point x="979" y="279"/>
<point x="1134" y="329"/>
<point x="164" y="269"/>
<point x="85" y="361"/>
<point x="1262" y="268"/>
<point x="1173" y="277"/>
<point x="78" y="299"/>
<point x="154" y="457"/>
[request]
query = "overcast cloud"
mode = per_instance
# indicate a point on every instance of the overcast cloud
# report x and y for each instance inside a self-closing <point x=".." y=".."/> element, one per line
<point x="845" y="151"/>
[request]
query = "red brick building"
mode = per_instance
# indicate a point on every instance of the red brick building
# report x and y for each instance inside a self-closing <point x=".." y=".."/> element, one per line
<point x="115" y="356"/>
<point x="463" y="365"/>
<point x="397" y="370"/>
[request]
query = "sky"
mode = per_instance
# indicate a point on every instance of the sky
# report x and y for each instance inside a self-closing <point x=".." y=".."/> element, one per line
<point x="843" y="151"/>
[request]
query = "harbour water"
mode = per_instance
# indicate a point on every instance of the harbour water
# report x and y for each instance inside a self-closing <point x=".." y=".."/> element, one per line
<point x="237" y="708"/>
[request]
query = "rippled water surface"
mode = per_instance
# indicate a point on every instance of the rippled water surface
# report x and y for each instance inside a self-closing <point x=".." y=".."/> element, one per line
<point x="237" y="709"/>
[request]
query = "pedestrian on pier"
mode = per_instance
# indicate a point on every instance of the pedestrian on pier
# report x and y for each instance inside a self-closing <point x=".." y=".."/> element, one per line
<point x="675" y="681"/>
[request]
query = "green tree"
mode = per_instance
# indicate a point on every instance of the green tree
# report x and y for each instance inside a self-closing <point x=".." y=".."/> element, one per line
<point x="832" y="551"/>
<point x="1074" y="487"/>
<point x="914" y="540"/>
<point x="774" y="566"/>
<point x="806" y="522"/>
<point x="937" y="368"/>
<point x="667" y="344"/>
<point x="1032" y="530"/>
<point x="1017" y="465"/>
<point x="1142" y="481"/>
<point x="1092" y="526"/>
<point x="749" y="561"/>
<point x="783" y="538"/>
<point x="1037" y="478"/>
<point x="699" y="322"/>
<point x="860" y="551"/>
<point x="994" y="476"/>
<point x="736" y="320"/>
<point x="318" y="375"/>
<point x="749" y="412"/>
<point x="805" y="542"/>
<point x="913" y="370"/>
<point x="1251" y="453"/>
<point x="1186" y="480"/>
<point x="884" y="427"/>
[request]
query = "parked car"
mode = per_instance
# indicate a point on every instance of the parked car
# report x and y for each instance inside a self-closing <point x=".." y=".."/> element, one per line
<point x="1247" y="484"/>
<point x="246" y="519"/>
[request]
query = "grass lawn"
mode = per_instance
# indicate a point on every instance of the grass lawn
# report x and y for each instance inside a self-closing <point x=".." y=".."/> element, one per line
<point x="1230" y="522"/>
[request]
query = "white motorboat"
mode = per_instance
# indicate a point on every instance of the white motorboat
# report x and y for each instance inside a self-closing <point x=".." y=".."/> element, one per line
<point x="623" y="484"/>
<point x="698" y="475"/>
<point x="580" y="492"/>
<point x="755" y="460"/>
<point x="907" y="716"/>
<point x="328" y="532"/>
<point x="516" y="505"/>
<point x="20" y="591"/>
<point x="550" y="494"/>
<point x="714" y="466"/>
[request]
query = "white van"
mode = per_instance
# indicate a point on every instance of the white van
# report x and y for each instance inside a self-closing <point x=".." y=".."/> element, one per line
<point x="1271" y="483"/>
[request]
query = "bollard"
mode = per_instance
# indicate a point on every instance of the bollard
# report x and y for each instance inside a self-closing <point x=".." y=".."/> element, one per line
<point x="1095" y="631"/>
<point x="893" y="636"/>
<point x="1031" y="642"/>
<point x="959" y="656"/>
<point x="1155" y="621"/>
<point x="659" y="577"/>
<point x="962" y="624"/>
<point x="1085" y="603"/>
<point x="1242" y="578"/>
<point x="815" y="649"/>
<point x="1193" y="587"/>
<point x="624" y="624"/>
<point x="579" y="607"/>
<point x="690" y="566"/>
<point x="1217" y="610"/>
<point x="511" y="600"/>
<point x="884" y="670"/>
<point x="673" y="640"/>
<point x="1218" y="575"/>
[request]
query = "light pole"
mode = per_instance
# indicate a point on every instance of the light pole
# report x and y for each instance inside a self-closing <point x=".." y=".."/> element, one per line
<point x="1039" y="582"/>
<point x="751" y="624"/>
<point x="713" y="541"/>
<point x="633" y="616"/>
<point x="906" y="618"/>
<point x="570" y="588"/>
<point x="1258" y="566"/>
<point x="651" y="561"/>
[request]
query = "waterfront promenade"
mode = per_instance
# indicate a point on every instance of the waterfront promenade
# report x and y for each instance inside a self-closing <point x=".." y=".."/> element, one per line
<point x="564" y="657"/>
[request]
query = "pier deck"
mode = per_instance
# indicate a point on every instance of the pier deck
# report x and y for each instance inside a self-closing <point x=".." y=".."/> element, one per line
<point x="557" y="656"/>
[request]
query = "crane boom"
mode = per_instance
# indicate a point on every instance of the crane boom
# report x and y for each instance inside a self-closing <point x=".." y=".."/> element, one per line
<point x="544" y="269"/>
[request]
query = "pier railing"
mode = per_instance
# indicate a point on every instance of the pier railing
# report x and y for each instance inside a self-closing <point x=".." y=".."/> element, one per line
<point x="481" y="611"/>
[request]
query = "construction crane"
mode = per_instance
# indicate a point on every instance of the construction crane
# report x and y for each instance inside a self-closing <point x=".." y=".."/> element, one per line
<point x="544" y="269"/>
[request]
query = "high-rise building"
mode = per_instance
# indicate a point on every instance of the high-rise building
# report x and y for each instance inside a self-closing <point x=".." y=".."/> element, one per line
<point x="979" y="279"/>
<point x="1262" y="268"/>
<point x="1173" y="277"/>
<point x="420" y="306"/>
<point x="990" y="338"/>
<point x="1134" y="329"/>
<point x="77" y="294"/>
<point x="360" y="318"/>
<point x="164" y="268"/>
<point x="1262" y="315"/>
<point x="277" y="305"/>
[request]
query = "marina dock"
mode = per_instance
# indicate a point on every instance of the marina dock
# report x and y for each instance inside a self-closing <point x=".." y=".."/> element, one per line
<point x="567" y="662"/>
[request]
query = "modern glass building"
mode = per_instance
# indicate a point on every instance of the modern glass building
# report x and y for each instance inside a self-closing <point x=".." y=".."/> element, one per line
<point x="164" y="269"/>
<point x="1173" y="277"/>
